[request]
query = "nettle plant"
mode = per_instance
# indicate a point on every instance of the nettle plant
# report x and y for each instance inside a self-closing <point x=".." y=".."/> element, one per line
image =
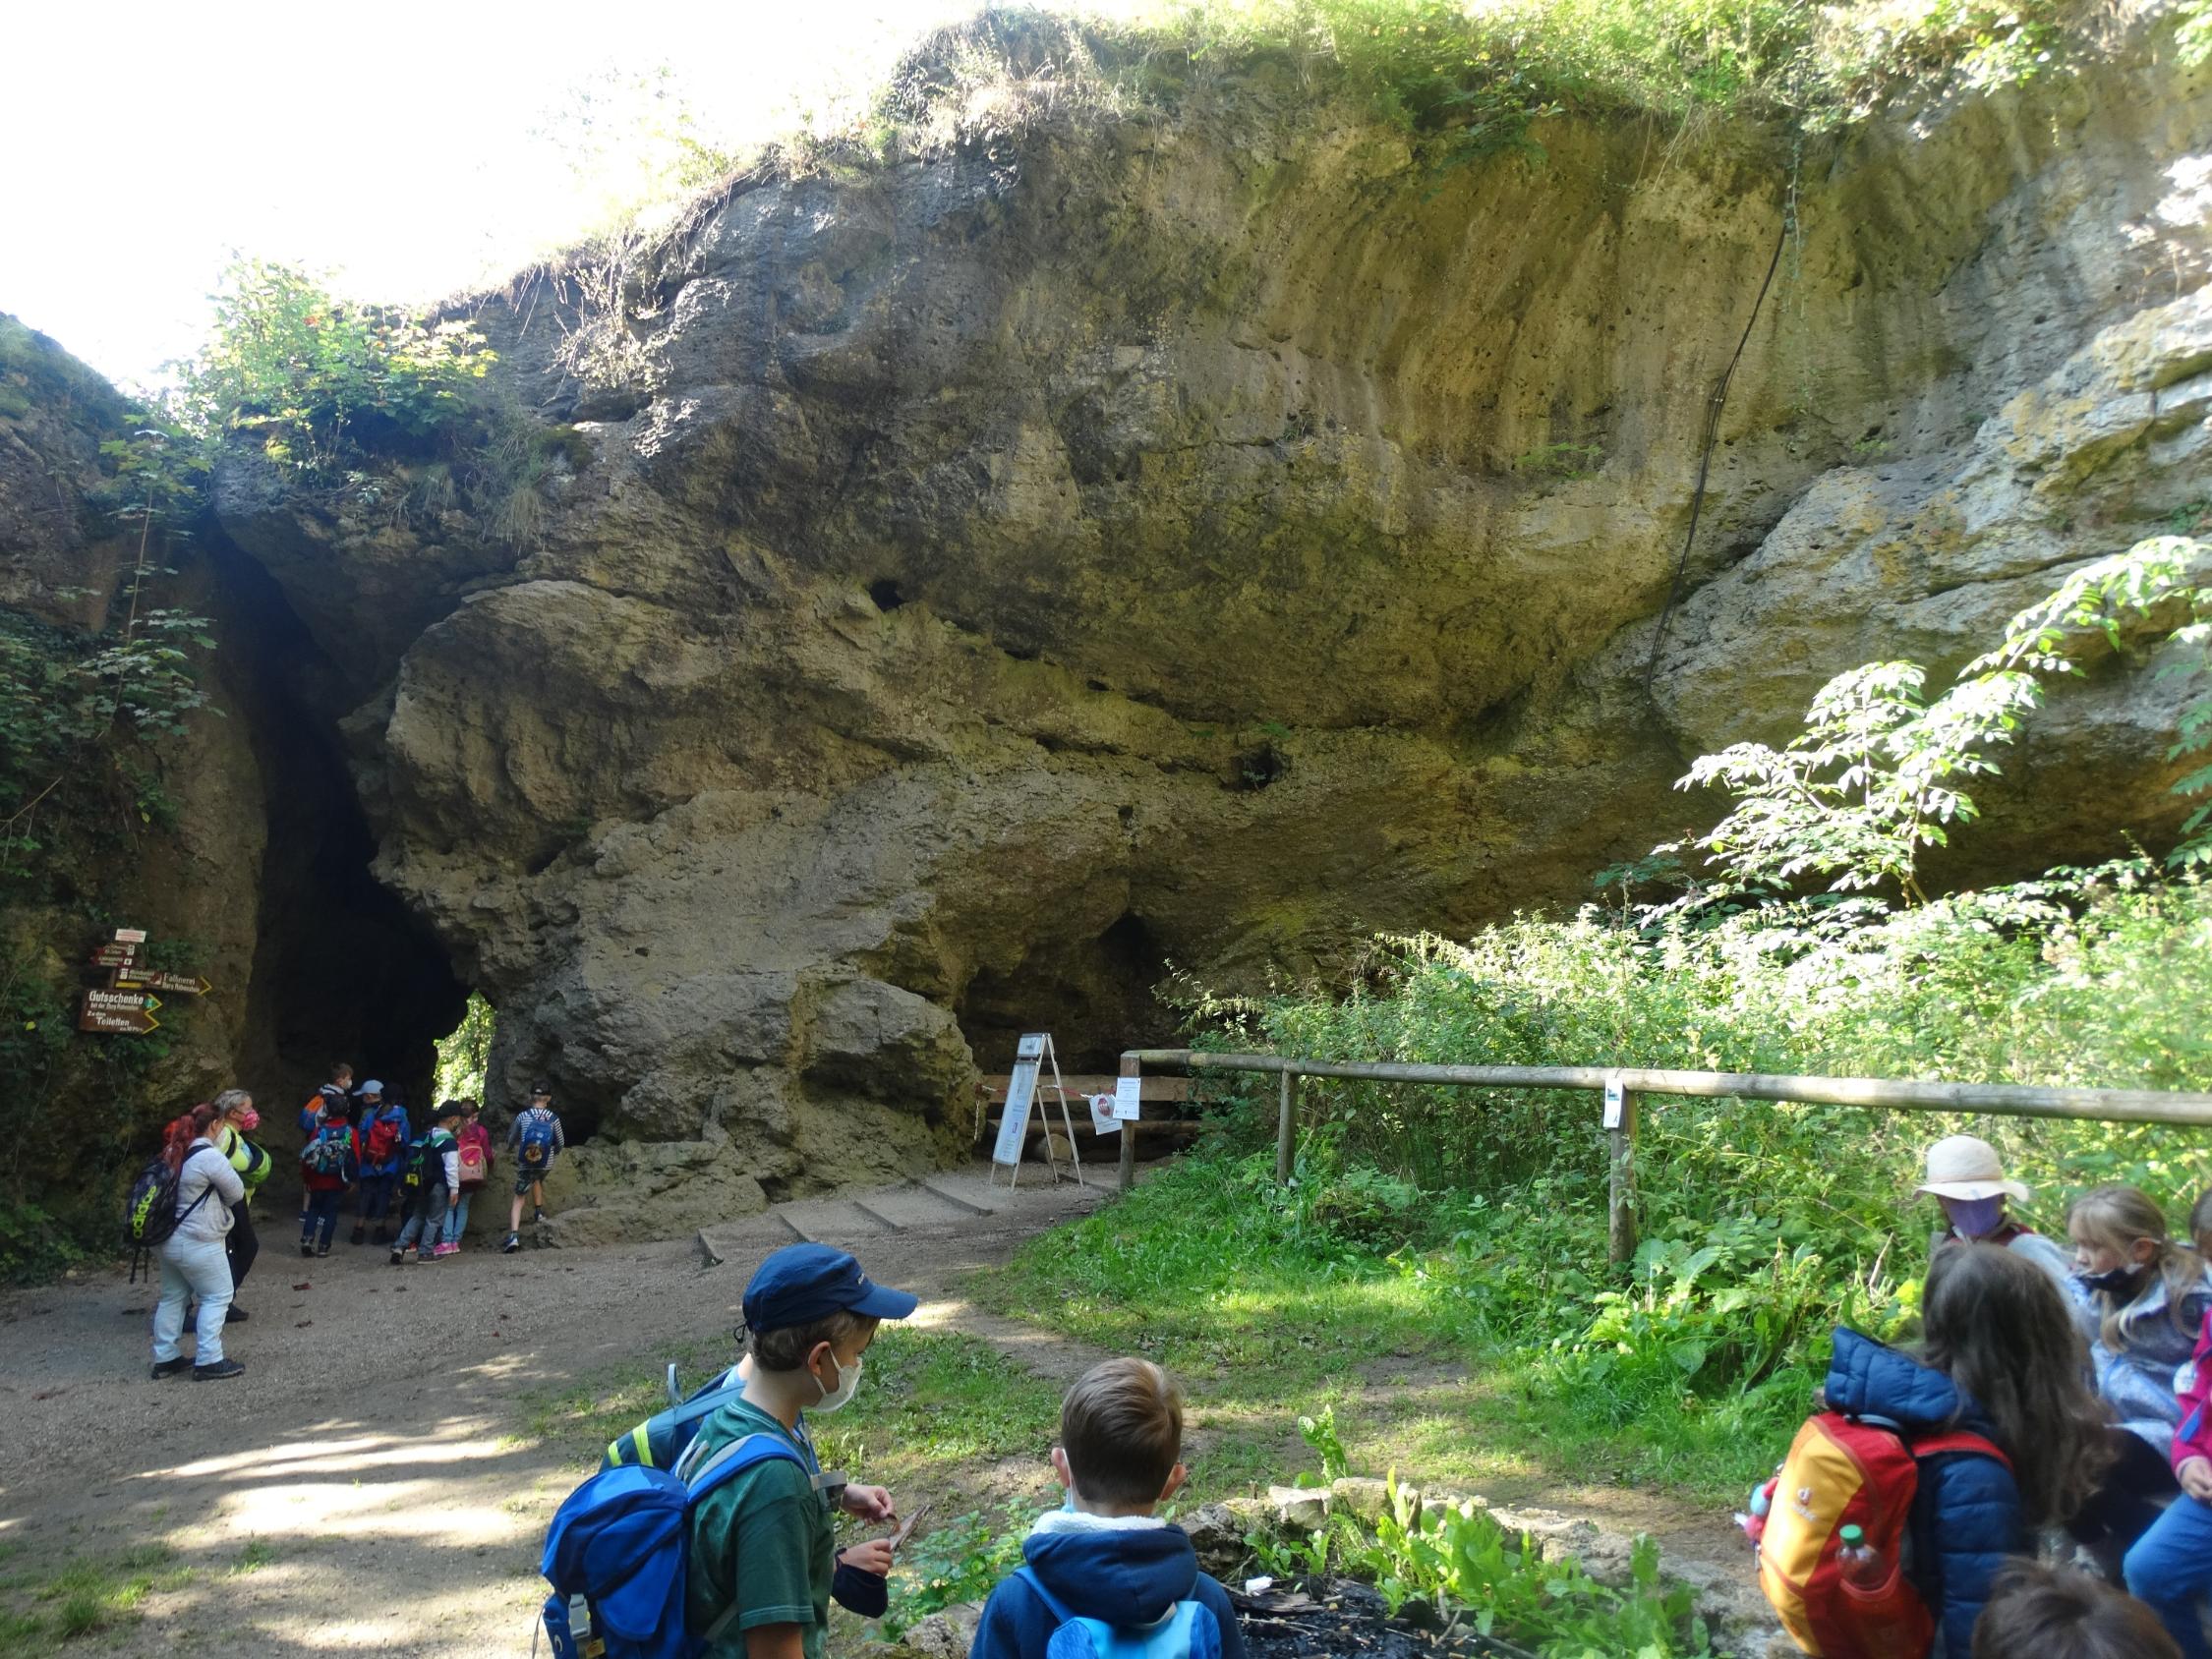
<point x="1879" y="772"/>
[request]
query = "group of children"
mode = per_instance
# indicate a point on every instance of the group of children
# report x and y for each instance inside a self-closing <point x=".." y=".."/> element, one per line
<point x="361" y="1141"/>
<point x="756" y="1565"/>
<point x="2068" y="1388"/>
<point x="2039" y="1375"/>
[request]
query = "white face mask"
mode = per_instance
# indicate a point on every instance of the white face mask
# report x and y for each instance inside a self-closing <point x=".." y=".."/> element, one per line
<point x="849" y="1382"/>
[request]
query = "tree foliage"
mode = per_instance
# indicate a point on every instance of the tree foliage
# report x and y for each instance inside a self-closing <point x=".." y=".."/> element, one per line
<point x="317" y="377"/>
<point x="1878" y="773"/>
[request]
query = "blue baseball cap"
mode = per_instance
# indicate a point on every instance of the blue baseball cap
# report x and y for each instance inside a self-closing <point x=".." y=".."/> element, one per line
<point x="802" y="1282"/>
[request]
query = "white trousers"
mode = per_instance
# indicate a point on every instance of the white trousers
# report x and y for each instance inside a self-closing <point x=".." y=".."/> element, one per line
<point x="191" y="1267"/>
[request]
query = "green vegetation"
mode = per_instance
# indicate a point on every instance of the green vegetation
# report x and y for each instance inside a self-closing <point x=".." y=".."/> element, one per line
<point x="1468" y="79"/>
<point x="318" y="378"/>
<point x="39" y="1613"/>
<point x="88" y="723"/>
<point x="1465" y="1568"/>
<point x="1460" y="1235"/>
<point x="464" y="1053"/>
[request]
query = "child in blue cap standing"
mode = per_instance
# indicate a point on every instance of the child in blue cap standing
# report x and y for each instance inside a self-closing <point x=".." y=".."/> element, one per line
<point x="762" y="1550"/>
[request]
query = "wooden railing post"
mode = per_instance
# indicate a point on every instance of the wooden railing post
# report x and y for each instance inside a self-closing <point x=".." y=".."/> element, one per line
<point x="1128" y="1137"/>
<point x="1620" y="1208"/>
<point x="1286" y="1134"/>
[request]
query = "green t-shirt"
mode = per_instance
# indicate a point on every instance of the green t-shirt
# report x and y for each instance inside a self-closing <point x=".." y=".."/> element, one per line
<point x="762" y="1542"/>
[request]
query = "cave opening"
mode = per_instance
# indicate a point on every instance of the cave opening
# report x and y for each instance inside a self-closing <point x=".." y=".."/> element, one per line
<point x="1096" y="995"/>
<point x="342" y="969"/>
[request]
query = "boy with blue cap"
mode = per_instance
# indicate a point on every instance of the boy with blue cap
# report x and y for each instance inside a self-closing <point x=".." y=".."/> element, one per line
<point x="763" y="1551"/>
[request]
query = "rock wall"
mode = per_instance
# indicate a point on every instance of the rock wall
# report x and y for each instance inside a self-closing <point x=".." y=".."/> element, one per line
<point x="1207" y="539"/>
<point x="255" y="875"/>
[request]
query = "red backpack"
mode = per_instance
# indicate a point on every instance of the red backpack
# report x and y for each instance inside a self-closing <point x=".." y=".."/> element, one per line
<point x="1843" y="1474"/>
<point x="380" y="1142"/>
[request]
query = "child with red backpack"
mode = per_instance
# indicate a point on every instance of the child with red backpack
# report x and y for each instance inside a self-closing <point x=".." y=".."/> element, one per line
<point x="383" y="1136"/>
<point x="1904" y="1496"/>
<point x="475" y="1173"/>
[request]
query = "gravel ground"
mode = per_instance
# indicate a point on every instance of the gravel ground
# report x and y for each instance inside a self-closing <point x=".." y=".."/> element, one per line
<point x="368" y="1486"/>
<point x="372" y="1455"/>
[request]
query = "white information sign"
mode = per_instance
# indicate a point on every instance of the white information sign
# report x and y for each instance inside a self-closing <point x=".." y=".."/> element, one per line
<point x="1128" y="1095"/>
<point x="1021" y="1093"/>
<point x="1616" y="1098"/>
<point x="1032" y="1056"/>
<point x="1102" y="1118"/>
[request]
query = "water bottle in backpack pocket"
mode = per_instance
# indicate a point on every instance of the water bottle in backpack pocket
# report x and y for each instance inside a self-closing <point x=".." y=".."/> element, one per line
<point x="1831" y="1531"/>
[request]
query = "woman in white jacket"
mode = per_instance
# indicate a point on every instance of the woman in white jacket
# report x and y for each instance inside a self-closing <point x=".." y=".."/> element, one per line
<point x="192" y="1260"/>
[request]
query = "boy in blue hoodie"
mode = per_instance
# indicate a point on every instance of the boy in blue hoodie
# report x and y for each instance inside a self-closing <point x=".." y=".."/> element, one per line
<point x="1104" y="1557"/>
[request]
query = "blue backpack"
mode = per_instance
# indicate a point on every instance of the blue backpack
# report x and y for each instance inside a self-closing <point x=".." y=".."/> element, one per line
<point x="663" y="1437"/>
<point x="537" y="1139"/>
<point x="621" y="1542"/>
<point x="1189" y="1631"/>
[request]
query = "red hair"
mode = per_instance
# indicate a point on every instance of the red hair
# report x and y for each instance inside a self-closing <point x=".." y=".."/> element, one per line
<point x="184" y="1131"/>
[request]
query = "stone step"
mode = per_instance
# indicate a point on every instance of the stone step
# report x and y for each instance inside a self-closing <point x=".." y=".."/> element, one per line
<point x="833" y="1219"/>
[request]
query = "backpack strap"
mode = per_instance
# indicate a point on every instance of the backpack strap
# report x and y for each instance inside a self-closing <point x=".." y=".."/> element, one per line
<point x="722" y="1464"/>
<point x="1956" y="1440"/>
<point x="195" y="1148"/>
<point x="1053" y="1604"/>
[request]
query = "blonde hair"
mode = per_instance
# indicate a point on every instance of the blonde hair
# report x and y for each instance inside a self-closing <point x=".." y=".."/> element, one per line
<point x="2119" y="1218"/>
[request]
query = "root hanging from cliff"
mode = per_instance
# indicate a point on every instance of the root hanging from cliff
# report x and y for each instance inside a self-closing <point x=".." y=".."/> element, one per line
<point x="1715" y="408"/>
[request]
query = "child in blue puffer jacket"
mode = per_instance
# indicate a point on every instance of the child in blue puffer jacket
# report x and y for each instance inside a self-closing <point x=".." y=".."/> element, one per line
<point x="2001" y="1358"/>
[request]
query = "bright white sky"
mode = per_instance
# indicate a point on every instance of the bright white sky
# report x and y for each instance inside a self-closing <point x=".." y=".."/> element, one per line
<point x="387" y="143"/>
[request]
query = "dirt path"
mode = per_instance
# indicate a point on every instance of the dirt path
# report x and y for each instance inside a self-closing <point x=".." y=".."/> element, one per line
<point x="368" y="1486"/>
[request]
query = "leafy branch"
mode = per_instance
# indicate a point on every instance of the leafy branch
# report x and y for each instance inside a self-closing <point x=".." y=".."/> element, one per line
<point x="1879" y="773"/>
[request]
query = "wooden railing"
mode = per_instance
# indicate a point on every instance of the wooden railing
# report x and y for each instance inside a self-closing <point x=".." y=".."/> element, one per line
<point x="1622" y="1084"/>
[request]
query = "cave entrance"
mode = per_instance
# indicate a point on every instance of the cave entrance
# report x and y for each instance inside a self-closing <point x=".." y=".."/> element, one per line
<point x="1095" y="996"/>
<point x="342" y="969"/>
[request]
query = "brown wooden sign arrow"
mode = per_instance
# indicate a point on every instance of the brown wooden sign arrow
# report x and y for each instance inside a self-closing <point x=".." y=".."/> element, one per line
<point x="128" y="1013"/>
<point x="149" y="979"/>
<point x="116" y="956"/>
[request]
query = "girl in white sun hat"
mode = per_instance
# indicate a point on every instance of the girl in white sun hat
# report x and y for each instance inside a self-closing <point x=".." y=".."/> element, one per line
<point x="1965" y="1176"/>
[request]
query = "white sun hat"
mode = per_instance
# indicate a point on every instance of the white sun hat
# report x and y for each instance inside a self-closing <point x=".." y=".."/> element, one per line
<point x="1965" y="1167"/>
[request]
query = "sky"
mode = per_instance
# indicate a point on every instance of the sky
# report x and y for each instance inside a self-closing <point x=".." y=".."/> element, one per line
<point x="390" y="145"/>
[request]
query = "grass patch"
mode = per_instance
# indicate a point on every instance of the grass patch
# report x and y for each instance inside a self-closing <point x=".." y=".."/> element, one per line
<point x="84" y="1597"/>
<point x="580" y="1419"/>
<point x="1265" y="1318"/>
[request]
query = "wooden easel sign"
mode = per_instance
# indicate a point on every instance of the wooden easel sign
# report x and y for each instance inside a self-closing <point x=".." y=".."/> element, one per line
<point x="1030" y="1057"/>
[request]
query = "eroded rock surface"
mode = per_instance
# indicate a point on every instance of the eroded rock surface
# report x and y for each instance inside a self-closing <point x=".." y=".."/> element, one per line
<point x="1210" y="540"/>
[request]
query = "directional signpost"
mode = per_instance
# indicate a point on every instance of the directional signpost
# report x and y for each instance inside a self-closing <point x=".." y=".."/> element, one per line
<point x="148" y="979"/>
<point x="126" y="1007"/>
<point x="127" y="1013"/>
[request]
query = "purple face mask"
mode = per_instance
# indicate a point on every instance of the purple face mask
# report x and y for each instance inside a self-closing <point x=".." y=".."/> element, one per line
<point x="1975" y="1217"/>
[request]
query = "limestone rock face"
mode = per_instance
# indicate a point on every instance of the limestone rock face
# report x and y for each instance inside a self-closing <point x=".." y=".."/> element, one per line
<point x="2113" y="443"/>
<point x="1207" y="541"/>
